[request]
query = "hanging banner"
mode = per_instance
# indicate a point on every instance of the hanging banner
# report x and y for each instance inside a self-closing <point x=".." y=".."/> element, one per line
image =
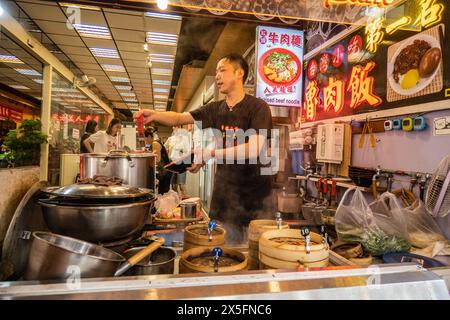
<point x="380" y="67"/>
<point x="279" y="66"/>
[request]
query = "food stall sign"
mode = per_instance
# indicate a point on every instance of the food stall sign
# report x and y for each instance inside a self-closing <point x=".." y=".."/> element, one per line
<point x="11" y="114"/>
<point x="73" y="118"/>
<point x="366" y="3"/>
<point x="279" y="66"/>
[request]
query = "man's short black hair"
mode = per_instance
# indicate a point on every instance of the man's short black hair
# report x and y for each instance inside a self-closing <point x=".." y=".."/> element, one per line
<point x="148" y="133"/>
<point x="236" y="58"/>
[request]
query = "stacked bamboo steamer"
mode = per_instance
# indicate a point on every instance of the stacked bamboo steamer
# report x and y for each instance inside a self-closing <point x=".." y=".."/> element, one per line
<point x="200" y="259"/>
<point x="197" y="236"/>
<point x="255" y="230"/>
<point x="285" y="249"/>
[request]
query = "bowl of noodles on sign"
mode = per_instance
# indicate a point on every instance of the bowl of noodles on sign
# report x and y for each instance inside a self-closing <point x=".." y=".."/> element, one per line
<point x="414" y="64"/>
<point x="279" y="67"/>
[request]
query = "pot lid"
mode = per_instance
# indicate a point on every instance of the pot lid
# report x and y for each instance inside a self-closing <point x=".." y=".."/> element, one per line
<point x="97" y="191"/>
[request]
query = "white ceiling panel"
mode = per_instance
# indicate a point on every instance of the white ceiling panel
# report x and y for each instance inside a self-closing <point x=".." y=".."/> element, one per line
<point x="127" y="35"/>
<point x="162" y="25"/>
<point x="130" y="46"/>
<point x="90" y="17"/>
<point x="75" y="50"/>
<point x="139" y="76"/>
<point x="125" y="21"/>
<point x="134" y="55"/>
<point x="55" y="28"/>
<point x="136" y="63"/>
<point x="133" y="70"/>
<point x="66" y="40"/>
<point x="82" y="59"/>
<point x="99" y="43"/>
<point x="43" y="12"/>
<point x="156" y="48"/>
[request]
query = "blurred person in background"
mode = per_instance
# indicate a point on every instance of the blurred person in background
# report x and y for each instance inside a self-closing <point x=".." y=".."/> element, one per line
<point x="91" y="128"/>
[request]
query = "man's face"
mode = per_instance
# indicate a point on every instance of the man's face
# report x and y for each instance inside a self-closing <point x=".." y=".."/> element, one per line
<point x="227" y="76"/>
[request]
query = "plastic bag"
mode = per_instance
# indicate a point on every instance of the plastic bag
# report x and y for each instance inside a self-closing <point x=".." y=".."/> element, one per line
<point x="166" y="203"/>
<point x="379" y="226"/>
<point x="422" y="229"/>
<point x="353" y="216"/>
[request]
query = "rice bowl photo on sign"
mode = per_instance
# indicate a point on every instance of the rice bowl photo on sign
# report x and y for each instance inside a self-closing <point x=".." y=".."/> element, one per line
<point x="404" y="70"/>
<point x="279" y="67"/>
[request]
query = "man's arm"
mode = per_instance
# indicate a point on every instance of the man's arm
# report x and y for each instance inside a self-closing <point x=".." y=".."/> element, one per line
<point x="87" y="144"/>
<point x="156" y="149"/>
<point x="168" y="118"/>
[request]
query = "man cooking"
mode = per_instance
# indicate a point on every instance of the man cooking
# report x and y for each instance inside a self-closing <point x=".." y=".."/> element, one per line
<point x="241" y="191"/>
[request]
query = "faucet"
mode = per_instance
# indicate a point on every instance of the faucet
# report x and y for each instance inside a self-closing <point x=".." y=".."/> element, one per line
<point x="278" y="220"/>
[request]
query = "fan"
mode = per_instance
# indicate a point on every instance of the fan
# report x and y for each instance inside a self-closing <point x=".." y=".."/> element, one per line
<point x="84" y="81"/>
<point x="437" y="199"/>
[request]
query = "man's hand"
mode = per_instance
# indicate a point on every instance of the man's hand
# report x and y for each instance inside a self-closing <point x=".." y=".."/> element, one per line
<point x="148" y="114"/>
<point x="201" y="156"/>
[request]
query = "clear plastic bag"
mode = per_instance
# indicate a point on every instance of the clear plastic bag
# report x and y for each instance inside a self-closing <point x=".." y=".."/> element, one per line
<point x="166" y="203"/>
<point x="422" y="229"/>
<point x="379" y="226"/>
<point x="353" y="216"/>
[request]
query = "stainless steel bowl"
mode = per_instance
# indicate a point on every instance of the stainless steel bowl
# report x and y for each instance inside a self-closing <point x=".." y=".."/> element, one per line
<point x="55" y="257"/>
<point x="95" y="223"/>
<point x="162" y="261"/>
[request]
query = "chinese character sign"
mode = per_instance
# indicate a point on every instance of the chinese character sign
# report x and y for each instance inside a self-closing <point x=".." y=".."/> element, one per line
<point x="279" y="66"/>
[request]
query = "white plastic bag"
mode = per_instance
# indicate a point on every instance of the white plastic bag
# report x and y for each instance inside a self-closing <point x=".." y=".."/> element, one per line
<point x="353" y="216"/>
<point x="422" y="229"/>
<point x="166" y="203"/>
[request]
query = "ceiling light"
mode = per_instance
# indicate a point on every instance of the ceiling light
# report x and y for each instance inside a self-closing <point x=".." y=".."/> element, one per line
<point x="91" y="31"/>
<point x="80" y="6"/>
<point x="161" y="72"/>
<point x="40" y="81"/>
<point x="130" y="100"/>
<point x="146" y="47"/>
<point x="161" y="97"/>
<point x="1" y="10"/>
<point x="161" y="90"/>
<point x="113" y="67"/>
<point x="127" y="94"/>
<point x="161" y="82"/>
<point x="162" y="16"/>
<point x="8" y="58"/>
<point x="19" y="87"/>
<point x="167" y="39"/>
<point x="119" y="79"/>
<point x="28" y="72"/>
<point x="126" y="88"/>
<point x="164" y="58"/>
<point x="162" y="4"/>
<point x="105" y="53"/>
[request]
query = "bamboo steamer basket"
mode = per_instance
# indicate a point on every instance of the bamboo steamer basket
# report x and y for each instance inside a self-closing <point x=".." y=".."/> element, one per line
<point x="255" y="230"/>
<point x="290" y="256"/>
<point x="188" y="267"/>
<point x="197" y="236"/>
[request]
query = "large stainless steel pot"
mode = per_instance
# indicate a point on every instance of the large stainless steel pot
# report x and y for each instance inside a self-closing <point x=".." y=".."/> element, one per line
<point x="55" y="257"/>
<point x="162" y="261"/>
<point x="96" y="213"/>
<point x="135" y="169"/>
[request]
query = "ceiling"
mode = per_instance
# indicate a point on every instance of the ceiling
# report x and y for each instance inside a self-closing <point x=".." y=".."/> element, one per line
<point x="107" y="44"/>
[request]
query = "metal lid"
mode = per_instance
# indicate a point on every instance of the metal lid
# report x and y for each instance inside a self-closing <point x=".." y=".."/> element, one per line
<point x="97" y="191"/>
<point x="119" y="155"/>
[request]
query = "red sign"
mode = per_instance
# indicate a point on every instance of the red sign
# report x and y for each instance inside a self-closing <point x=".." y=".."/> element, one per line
<point x="74" y="118"/>
<point x="338" y="56"/>
<point x="324" y="63"/>
<point x="312" y="69"/>
<point x="12" y="114"/>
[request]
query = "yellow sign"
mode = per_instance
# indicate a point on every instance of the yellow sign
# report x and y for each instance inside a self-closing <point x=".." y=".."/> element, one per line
<point x="367" y="3"/>
<point x="431" y="12"/>
<point x="374" y="34"/>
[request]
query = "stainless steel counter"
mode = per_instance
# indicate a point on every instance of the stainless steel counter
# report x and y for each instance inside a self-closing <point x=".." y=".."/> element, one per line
<point x="390" y="282"/>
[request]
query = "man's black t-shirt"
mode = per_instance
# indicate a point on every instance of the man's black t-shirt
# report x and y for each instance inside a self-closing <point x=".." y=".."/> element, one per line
<point x="241" y="193"/>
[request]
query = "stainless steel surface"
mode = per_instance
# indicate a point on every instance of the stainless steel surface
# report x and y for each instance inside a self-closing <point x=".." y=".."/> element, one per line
<point x="16" y="245"/>
<point x="391" y="282"/>
<point x="97" y="191"/>
<point x="188" y="210"/>
<point x="97" y="223"/>
<point x="162" y="261"/>
<point x="57" y="257"/>
<point x="136" y="170"/>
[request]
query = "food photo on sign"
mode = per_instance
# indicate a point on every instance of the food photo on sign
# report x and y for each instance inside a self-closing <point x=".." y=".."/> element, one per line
<point x="279" y="66"/>
<point x="379" y="66"/>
